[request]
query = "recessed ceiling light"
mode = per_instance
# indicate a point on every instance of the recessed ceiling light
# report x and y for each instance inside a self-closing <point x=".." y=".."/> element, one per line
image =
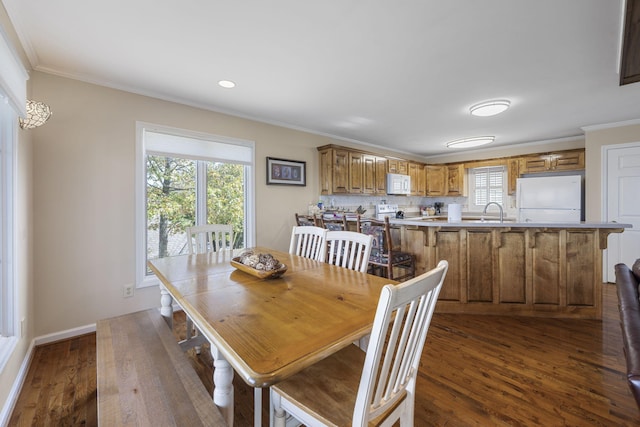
<point x="470" y="142"/>
<point x="227" y="84"/>
<point x="490" y="108"/>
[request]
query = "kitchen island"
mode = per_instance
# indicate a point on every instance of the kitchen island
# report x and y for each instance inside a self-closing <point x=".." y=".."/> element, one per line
<point x="530" y="269"/>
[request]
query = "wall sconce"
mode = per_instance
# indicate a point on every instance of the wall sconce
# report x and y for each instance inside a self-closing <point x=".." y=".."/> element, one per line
<point x="37" y="114"/>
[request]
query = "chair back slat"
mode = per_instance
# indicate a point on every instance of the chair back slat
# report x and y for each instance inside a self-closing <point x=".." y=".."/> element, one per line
<point x="210" y="238"/>
<point x="309" y="242"/>
<point x="349" y="249"/>
<point x="397" y="340"/>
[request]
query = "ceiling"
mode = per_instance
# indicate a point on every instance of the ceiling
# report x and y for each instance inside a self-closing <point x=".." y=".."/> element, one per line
<point x="400" y="75"/>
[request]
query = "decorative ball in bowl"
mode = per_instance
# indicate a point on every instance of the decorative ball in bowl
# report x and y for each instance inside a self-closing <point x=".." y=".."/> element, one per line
<point x="261" y="265"/>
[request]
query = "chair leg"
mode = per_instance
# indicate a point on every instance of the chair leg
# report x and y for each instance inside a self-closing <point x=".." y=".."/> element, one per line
<point x="279" y="418"/>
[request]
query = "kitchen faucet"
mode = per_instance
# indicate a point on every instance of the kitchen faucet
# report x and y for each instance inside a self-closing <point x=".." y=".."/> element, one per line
<point x="499" y="207"/>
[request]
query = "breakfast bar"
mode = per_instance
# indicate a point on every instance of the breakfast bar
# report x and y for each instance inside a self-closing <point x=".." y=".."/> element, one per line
<point x="530" y="269"/>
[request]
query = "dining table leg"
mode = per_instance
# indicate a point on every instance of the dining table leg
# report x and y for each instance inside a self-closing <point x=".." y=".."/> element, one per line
<point x="222" y="385"/>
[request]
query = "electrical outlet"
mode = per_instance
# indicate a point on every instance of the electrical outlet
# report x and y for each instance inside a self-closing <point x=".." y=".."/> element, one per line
<point x="127" y="291"/>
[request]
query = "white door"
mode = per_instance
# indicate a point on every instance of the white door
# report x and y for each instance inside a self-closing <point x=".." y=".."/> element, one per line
<point x="622" y="198"/>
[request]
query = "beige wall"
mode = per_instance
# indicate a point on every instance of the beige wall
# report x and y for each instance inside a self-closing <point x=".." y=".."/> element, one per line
<point x="597" y="137"/>
<point x="84" y="194"/>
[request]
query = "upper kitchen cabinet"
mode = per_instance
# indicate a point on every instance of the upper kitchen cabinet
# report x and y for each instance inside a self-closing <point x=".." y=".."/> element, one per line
<point x="418" y="178"/>
<point x="455" y="180"/>
<point x="398" y="166"/>
<point x="550" y="162"/>
<point x="375" y="174"/>
<point x="436" y="181"/>
<point x="348" y="171"/>
<point x="334" y="170"/>
<point x="356" y="173"/>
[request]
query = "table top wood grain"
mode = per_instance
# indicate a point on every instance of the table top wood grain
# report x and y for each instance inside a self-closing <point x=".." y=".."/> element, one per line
<point x="268" y="329"/>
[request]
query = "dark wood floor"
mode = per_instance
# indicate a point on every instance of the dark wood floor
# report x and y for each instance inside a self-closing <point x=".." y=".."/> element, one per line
<point x="475" y="371"/>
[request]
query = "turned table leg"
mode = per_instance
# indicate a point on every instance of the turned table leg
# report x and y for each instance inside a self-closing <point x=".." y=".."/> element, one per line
<point x="222" y="385"/>
<point x="166" y="306"/>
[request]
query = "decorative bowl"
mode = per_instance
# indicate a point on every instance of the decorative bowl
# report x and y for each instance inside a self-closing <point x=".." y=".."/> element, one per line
<point x="261" y="274"/>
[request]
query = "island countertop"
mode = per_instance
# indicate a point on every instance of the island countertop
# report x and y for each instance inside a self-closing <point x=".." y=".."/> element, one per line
<point x="491" y="221"/>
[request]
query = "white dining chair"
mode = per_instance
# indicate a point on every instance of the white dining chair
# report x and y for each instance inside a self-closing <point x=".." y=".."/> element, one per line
<point x="349" y="249"/>
<point x="209" y="238"/>
<point x="203" y="239"/>
<point x="352" y="387"/>
<point x="309" y="242"/>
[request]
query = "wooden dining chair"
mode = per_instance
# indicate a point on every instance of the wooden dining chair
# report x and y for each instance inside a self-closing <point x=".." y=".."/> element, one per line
<point x="307" y="220"/>
<point x="385" y="258"/>
<point x="348" y="249"/>
<point x="335" y="223"/>
<point x="353" y="388"/>
<point x="209" y="238"/>
<point x="309" y="242"/>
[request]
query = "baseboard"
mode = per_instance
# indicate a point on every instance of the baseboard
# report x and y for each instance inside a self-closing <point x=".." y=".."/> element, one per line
<point x="63" y="335"/>
<point x="12" y="399"/>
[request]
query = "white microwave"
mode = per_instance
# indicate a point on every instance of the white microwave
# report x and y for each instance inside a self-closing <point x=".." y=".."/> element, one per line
<point x="398" y="184"/>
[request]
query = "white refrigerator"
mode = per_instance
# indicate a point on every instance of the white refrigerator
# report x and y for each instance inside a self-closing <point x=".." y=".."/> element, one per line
<point x="549" y="199"/>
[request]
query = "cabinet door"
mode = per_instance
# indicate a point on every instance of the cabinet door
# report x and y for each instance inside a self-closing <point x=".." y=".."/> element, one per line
<point x="356" y="173"/>
<point x="369" y="174"/>
<point x="381" y="176"/>
<point x="513" y="172"/>
<point x="403" y="167"/>
<point x="572" y="160"/>
<point x="416" y="172"/>
<point x="326" y="172"/>
<point x="455" y="180"/>
<point x="532" y="164"/>
<point x="436" y="184"/>
<point x="340" y="171"/>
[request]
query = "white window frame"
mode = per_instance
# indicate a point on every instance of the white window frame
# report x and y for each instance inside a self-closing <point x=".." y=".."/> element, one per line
<point x="13" y="96"/>
<point x="142" y="279"/>
<point x="472" y="186"/>
<point x="8" y="291"/>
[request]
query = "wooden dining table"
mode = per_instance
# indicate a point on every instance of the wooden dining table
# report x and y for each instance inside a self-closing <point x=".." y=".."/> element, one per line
<point x="267" y="329"/>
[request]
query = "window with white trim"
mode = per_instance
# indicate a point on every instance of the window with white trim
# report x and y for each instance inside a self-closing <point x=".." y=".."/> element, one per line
<point x="184" y="179"/>
<point x="8" y="137"/>
<point x="487" y="184"/>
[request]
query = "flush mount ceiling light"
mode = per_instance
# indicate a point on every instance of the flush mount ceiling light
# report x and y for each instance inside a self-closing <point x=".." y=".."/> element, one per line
<point x="490" y="108"/>
<point x="37" y="114"/>
<point x="470" y="142"/>
<point x="227" y="84"/>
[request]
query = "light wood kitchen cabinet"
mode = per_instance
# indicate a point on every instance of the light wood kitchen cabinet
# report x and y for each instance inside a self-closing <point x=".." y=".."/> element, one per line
<point x="381" y="176"/>
<point x="334" y="171"/>
<point x="455" y="180"/>
<point x="435" y="180"/>
<point x="560" y="161"/>
<point x="398" y="166"/>
<point x="514" y="270"/>
<point x="375" y="175"/>
<point x="417" y="174"/>
<point x="356" y="173"/>
<point x="513" y="173"/>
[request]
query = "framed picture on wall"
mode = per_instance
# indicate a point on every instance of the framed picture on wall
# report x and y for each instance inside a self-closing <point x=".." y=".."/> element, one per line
<point x="286" y="172"/>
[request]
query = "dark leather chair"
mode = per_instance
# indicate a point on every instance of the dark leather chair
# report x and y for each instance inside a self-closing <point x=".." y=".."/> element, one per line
<point x="629" y="306"/>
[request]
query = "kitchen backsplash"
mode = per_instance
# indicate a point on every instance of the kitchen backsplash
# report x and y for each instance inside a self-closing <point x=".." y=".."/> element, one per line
<point x="409" y="204"/>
